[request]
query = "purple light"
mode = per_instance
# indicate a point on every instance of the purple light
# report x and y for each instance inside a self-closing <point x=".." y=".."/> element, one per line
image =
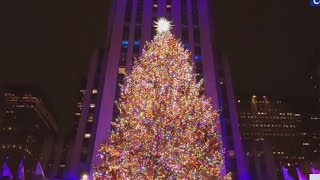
<point x="300" y="175"/>
<point x="315" y="171"/>
<point x="285" y="173"/>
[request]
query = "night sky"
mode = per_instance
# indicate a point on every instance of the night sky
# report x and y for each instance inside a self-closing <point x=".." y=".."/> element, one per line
<point x="49" y="43"/>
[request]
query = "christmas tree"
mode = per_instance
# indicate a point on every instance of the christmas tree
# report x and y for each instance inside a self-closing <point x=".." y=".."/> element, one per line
<point x="166" y="129"/>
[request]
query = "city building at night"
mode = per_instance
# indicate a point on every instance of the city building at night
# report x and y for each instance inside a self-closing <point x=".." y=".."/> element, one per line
<point x="278" y="132"/>
<point x="27" y="129"/>
<point x="130" y="25"/>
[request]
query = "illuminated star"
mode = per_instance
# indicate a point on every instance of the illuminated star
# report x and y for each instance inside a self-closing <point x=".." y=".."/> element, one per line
<point x="163" y="25"/>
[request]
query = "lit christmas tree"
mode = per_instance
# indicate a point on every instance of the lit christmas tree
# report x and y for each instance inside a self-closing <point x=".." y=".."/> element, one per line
<point x="166" y="129"/>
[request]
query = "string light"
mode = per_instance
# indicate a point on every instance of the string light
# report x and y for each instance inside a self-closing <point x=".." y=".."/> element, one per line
<point x="166" y="129"/>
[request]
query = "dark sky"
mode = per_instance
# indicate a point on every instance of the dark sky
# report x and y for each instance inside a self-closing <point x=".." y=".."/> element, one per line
<point x="50" y="42"/>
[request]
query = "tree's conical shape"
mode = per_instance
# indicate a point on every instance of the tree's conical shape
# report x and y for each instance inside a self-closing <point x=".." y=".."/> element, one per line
<point x="166" y="129"/>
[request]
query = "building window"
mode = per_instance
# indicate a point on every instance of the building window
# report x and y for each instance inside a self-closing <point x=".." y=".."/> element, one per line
<point x="168" y="7"/>
<point x="137" y="33"/>
<point x="121" y="70"/>
<point x="94" y="91"/>
<point x="195" y="12"/>
<point x="196" y="35"/>
<point x="90" y="118"/>
<point x="197" y="50"/>
<point x="124" y="46"/>
<point x="185" y="36"/>
<point x="139" y="12"/>
<point x="87" y="135"/>
<point x="197" y="58"/>
<point x="125" y="34"/>
<point x="155" y="6"/>
<point x="184" y="12"/>
<point x="136" y="47"/>
<point x="231" y="153"/>
<point x="128" y="11"/>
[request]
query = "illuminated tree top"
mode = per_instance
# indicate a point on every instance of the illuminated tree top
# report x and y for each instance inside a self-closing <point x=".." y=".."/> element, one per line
<point x="163" y="25"/>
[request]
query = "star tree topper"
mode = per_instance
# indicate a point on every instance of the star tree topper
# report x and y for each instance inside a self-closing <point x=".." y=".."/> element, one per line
<point x="163" y="25"/>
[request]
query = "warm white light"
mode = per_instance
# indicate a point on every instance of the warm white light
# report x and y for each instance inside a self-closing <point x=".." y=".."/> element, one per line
<point x="94" y="91"/>
<point x="163" y="25"/>
<point x="85" y="177"/>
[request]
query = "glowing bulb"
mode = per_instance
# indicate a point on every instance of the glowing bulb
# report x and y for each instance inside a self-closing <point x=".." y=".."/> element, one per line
<point x="85" y="177"/>
<point x="163" y="25"/>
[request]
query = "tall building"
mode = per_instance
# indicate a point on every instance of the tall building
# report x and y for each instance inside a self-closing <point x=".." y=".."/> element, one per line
<point x="130" y="25"/>
<point x="27" y="129"/>
<point x="282" y="130"/>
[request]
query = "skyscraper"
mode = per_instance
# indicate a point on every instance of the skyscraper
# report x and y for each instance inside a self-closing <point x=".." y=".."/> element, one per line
<point x="283" y="129"/>
<point x="130" y="25"/>
<point x="27" y="128"/>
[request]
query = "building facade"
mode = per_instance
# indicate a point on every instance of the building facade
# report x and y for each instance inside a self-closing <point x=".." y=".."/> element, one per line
<point x="283" y="129"/>
<point x="27" y="129"/>
<point x="130" y="25"/>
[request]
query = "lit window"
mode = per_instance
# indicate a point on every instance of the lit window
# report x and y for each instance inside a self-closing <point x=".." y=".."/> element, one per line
<point x="231" y="153"/>
<point x="92" y="105"/>
<point x="121" y="70"/>
<point x="305" y="144"/>
<point x="197" y="58"/>
<point x="87" y="135"/>
<point x="124" y="44"/>
<point x="94" y="91"/>
<point x="90" y="118"/>
<point x="77" y="114"/>
<point x="239" y="101"/>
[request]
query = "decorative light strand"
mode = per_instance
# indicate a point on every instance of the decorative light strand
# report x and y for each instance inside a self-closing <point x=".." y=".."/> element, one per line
<point x="166" y="129"/>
